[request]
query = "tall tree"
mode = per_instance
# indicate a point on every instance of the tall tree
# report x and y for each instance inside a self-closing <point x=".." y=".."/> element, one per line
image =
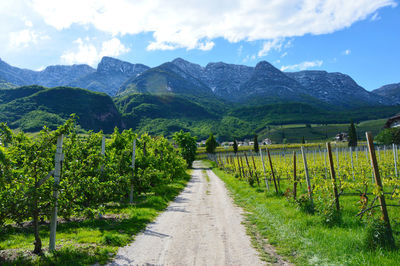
<point x="211" y="144"/>
<point x="235" y="146"/>
<point x="187" y="146"/>
<point x="352" y="135"/>
<point x="256" y="149"/>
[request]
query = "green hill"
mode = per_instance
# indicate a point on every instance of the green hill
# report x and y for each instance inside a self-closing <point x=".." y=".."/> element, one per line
<point x="29" y="108"/>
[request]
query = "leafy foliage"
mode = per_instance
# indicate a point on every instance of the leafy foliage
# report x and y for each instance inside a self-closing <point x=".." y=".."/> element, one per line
<point x="211" y="144"/>
<point x="389" y="136"/>
<point x="89" y="178"/>
<point x="187" y="146"/>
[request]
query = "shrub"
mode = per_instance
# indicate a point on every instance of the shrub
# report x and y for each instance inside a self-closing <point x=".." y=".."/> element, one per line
<point x="377" y="235"/>
<point x="305" y="204"/>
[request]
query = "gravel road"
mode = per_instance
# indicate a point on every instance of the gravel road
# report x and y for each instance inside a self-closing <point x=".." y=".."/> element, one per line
<point x="201" y="227"/>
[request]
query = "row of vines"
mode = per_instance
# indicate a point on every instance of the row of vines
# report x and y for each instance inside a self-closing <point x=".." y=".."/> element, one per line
<point x="319" y="179"/>
<point x="91" y="175"/>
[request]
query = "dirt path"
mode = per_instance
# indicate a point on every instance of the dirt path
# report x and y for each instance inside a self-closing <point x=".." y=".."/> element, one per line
<point x="201" y="227"/>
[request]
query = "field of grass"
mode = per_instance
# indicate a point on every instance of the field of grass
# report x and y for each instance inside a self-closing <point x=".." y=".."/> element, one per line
<point x="304" y="238"/>
<point x="87" y="241"/>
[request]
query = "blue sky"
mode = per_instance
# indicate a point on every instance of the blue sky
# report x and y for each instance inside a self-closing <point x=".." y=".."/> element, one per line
<point x="359" y="38"/>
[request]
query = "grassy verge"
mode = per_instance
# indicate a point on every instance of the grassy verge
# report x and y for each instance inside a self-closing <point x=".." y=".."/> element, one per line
<point x="87" y="241"/>
<point x="303" y="238"/>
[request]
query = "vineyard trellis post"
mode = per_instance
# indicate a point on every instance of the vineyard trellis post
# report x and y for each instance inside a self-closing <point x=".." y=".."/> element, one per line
<point x="272" y="171"/>
<point x="103" y="150"/>
<point x="238" y="163"/>
<point x="352" y="163"/>
<point x="332" y="168"/>
<point x="265" y="173"/>
<point x="309" y="189"/>
<point x="372" y="166"/>
<point x="255" y="171"/>
<point x="57" y="174"/>
<point x="133" y="170"/>
<point x="378" y="182"/>
<point x="379" y="153"/>
<point x="337" y="159"/>
<point x="248" y="166"/>
<point x="395" y="160"/>
<point x="242" y="166"/>
<point x="294" y="176"/>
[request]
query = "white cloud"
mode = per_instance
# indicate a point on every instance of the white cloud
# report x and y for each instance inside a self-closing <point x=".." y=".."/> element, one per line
<point x="28" y="23"/>
<point x="284" y="54"/>
<point x="25" y="37"/>
<point x="113" y="47"/>
<point x="346" y="52"/>
<point x="303" y="66"/>
<point x="87" y="53"/>
<point x="275" y="44"/>
<point x="194" y="24"/>
<point x="375" y="17"/>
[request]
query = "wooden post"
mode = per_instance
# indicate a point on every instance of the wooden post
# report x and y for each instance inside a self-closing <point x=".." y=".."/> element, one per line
<point x="242" y="166"/>
<point x="103" y="145"/>
<point x="379" y="153"/>
<point x="248" y="166"/>
<point x="337" y="159"/>
<point x="307" y="176"/>
<point x="378" y="182"/>
<point x="133" y="170"/>
<point x="357" y="155"/>
<point x="265" y="173"/>
<point x="272" y="171"/>
<point x="325" y="165"/>
<point x="332" y="167"/>
<point x="294" y="176"/>
<point x="395" y="160"/>
<point x="352" y="163"/>
<point x="57" y="174"/>
<point x="240" y="171"/>
<point x="255" y="171"/>
<point x="103" y="150"/>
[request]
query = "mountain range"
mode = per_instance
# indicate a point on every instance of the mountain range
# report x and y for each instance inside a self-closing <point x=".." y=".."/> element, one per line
<point x="232" y="83"/>
<point x="218" y="97"/>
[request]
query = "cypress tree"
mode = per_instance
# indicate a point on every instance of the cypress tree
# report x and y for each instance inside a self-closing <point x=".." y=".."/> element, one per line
<point x="211" y="144"/>
<point x="235" y="146"/>
<point x="352" y="135"/>
<point x="256" y="149"/>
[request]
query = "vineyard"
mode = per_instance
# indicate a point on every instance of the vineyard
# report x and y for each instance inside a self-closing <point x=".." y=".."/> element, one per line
<point x="62" y="174"/>
<point x="360" y="185"/>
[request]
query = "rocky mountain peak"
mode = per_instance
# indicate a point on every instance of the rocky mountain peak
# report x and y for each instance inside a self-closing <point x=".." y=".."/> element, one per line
<point x="390" y="91"/>
<point x="109" y="64"/>
<point x="264" y="66"/>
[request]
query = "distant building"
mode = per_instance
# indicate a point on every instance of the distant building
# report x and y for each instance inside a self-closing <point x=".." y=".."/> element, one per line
<point x="243" y="143"/>
<point x="393" y="122"/>
<point x="266" y="141"/>
<point x="227" y="144"/>
<point x="342" y="137"/>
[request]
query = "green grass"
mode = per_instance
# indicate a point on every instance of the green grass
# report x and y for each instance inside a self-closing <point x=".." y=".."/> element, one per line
<point x="86" y="242"/>
<point x="304" y="238"/>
